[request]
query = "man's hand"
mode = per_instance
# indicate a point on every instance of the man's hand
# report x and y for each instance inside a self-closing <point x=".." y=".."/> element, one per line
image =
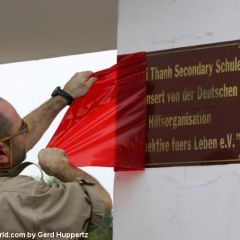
<point x="51" y="160"/>
<point x="79" y="84"/>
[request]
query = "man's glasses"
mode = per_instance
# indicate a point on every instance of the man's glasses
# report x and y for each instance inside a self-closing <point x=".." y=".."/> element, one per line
<point x="23" y="129"/>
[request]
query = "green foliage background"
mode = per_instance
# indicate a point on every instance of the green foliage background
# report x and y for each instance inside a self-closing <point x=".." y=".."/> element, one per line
<point x="105" y="231"/>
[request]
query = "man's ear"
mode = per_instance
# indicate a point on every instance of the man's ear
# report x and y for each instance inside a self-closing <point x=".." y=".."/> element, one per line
<point x="4" y="156"/>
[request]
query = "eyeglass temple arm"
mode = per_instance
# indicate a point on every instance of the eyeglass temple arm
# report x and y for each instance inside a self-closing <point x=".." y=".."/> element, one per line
<point x="12" y="136"/>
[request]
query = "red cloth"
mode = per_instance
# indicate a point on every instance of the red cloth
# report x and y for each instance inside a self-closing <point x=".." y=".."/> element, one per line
<point x="107" y="127"/>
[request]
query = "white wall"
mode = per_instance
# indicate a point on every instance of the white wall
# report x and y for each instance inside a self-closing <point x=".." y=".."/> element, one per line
<point x="189" y="203"/>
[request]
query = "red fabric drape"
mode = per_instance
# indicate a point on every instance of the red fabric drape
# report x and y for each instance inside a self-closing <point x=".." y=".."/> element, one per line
<point x="107" y="127"/>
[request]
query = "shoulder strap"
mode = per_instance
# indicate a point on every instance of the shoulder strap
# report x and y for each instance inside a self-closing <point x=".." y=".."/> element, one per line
<point x="18" y="169"/>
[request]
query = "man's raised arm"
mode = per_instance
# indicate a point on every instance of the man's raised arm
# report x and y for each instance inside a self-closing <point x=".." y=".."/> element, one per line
<point x="40" y="119"/>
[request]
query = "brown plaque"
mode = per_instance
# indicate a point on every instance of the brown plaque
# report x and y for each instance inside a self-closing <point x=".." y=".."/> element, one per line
<point x="193" y="104"/>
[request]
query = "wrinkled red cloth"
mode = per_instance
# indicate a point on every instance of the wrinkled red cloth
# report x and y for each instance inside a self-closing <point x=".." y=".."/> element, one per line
<point x="107" y="127"/>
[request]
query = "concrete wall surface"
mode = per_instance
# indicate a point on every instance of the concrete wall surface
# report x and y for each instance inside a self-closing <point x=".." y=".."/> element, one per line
<point x="177" y="203"/>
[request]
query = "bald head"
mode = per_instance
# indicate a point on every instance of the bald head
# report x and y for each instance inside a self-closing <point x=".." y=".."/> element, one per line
<point x="7" y="109"/>
<point x="5" y="123"/>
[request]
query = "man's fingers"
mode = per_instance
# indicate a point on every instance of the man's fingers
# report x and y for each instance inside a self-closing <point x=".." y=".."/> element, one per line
<point x="92" y="80"/>
<point x="86" y="74"/>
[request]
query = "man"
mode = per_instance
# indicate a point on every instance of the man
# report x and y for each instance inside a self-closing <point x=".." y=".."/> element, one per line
<point x="28" y="206"/>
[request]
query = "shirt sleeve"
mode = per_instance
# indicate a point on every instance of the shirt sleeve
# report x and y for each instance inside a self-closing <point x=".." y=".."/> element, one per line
<point x="69" y="207"/>
<point x="97" y="212"/>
